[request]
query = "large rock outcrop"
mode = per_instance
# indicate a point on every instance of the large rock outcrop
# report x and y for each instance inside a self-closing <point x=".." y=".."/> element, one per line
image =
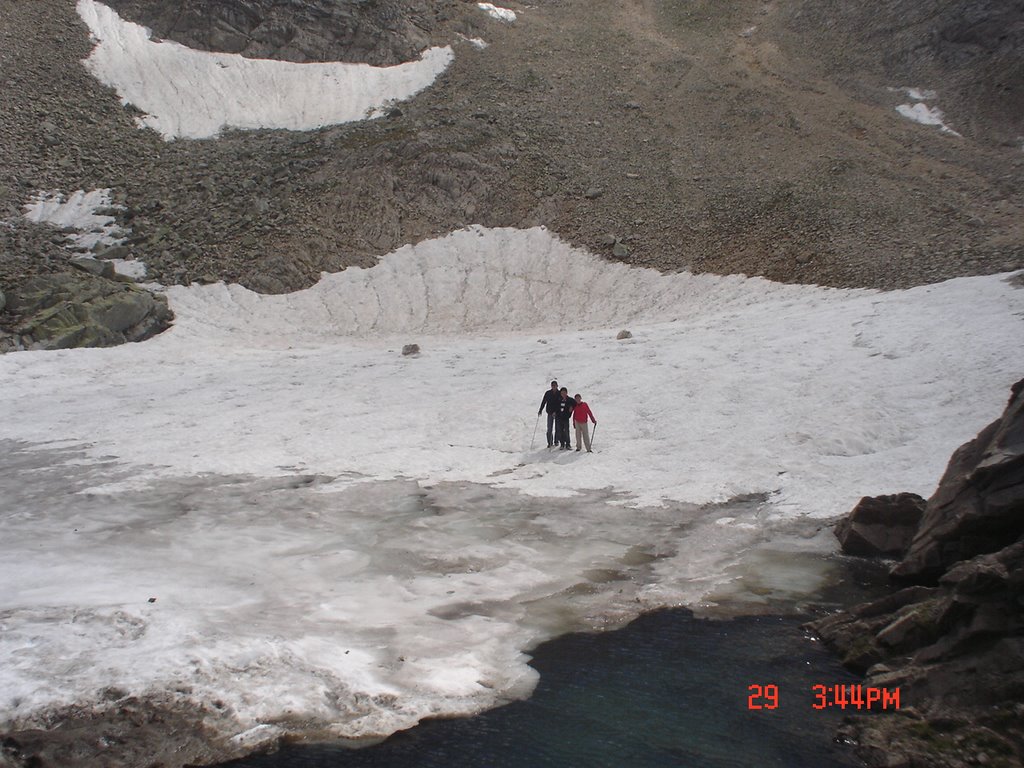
<point x="979" y="505"/>
<point x="952" y="638"/>
<point x="80" y="310"/>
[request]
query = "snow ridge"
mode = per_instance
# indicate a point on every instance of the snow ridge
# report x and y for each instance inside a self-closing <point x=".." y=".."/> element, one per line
<point x="475" y="280"/>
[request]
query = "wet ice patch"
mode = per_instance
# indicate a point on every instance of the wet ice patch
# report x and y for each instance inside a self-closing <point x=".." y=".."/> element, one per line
<point x="306" y="607"/>
<point x="195" y="94"/>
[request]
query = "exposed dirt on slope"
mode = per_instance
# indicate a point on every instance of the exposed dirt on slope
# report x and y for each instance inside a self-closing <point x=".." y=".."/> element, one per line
<point x="704" y="135"/>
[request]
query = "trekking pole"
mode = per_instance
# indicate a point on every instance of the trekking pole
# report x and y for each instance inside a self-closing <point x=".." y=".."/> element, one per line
<point x="536" y="424"/>
<point x="593" y="436"/>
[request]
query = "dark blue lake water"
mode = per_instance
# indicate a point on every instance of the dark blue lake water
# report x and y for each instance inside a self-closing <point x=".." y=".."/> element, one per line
<point x="667" y="690"/>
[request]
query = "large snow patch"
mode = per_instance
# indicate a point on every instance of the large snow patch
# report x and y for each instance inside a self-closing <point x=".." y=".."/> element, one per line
<point x="195" y="94"/>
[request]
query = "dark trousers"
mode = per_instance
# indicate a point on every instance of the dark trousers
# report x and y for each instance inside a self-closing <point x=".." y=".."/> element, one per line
<point x="551" y="428"/>
<point x="562" y="431"/>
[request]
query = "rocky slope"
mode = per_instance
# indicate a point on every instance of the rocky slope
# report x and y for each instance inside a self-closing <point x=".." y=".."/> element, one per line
<point x="952" y="638"/>
<point x="754" y="137"/>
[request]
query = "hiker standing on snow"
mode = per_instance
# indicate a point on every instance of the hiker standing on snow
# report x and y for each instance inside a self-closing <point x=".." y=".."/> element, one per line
<point x="564" y="413"/>
<point x="580" y="413"/>
<point x="550" y="402"/>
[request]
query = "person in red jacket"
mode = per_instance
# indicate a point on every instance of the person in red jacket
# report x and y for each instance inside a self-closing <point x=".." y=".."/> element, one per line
<point x="580" y="414"/>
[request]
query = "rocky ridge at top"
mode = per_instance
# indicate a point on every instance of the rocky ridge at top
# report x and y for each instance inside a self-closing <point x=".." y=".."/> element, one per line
<point x="754" y="137"/>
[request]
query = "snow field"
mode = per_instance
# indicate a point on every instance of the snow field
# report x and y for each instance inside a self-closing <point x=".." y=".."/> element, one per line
<point x="730" y="386"/>
<point x="349" y="540"/>
<point x="79" y="216"/>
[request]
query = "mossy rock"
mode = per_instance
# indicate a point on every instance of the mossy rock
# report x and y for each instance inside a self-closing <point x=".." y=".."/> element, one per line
<point x="80" y="310"/>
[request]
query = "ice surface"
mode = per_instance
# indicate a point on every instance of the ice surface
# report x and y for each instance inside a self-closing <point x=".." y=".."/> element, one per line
<point x="195" y="94"/>
<point x="352" y="610"/>
<point x="342" y="539"/>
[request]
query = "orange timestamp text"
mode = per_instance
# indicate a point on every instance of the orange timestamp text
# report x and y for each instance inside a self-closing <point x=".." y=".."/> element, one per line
<point x="836" y="696"/>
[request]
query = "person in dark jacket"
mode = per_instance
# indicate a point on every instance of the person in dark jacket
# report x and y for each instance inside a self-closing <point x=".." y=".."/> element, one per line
<point x="550" y="402"/>
<point x="562" y="417"/>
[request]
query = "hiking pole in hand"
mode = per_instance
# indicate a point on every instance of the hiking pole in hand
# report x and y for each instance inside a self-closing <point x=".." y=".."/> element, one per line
<point x="534" y="431"/>
<point x="593" y="436"/>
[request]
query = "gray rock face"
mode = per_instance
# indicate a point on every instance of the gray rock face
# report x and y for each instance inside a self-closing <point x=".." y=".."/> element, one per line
<point x="954" y="643"/>
<point x="979" y="505"/>
<point x="881" y="526"/>
<point x="70" y="310"/>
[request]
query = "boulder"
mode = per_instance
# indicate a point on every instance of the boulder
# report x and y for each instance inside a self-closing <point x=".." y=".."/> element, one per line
<point x="881" y="526"/>
<point x="111" y="252"/>
<point x="411" y="350"/>
<point x="93" y="266"/>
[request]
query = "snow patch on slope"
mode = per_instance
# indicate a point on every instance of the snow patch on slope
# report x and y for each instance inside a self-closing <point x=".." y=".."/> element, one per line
<point x="195" y="94"/>
<point x="920" y="112"/>
<point x="78" y="213"/>
<point x="501" y="14"/>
